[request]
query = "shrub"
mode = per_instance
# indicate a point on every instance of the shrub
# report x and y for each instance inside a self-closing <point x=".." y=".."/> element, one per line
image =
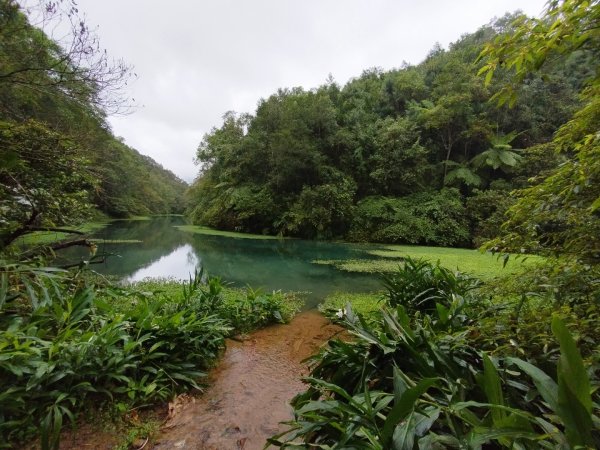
<point x="420" y="285"/>
<point x="65" y="343"/>
<point x="408" y="380"/>
<point x="487" y="212"/>
<point x="405" y="386"/>
<point x="431" y="218"/>
<point x="242" y="310"/>
<point x="322" y="211"/>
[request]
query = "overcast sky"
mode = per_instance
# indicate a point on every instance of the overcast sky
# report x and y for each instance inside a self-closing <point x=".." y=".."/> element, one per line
<point x="197" y="59"/>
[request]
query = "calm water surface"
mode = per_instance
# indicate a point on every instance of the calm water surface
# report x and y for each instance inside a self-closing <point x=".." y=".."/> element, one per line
<point x="285" y="264"/>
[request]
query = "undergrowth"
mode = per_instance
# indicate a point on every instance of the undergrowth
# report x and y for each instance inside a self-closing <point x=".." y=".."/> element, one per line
<point x="443" y="365"/>
<point x="66" y="342"/>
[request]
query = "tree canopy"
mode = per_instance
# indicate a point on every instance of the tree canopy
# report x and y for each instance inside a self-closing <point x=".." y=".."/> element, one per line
<point x="308" y="162"/>
<point x="559" y="213"/>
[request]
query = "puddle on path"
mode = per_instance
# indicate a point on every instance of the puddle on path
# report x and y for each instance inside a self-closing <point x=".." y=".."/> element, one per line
<point x="250" y="390"/>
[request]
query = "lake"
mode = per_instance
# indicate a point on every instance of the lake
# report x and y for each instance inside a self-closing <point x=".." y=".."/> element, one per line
<point x="286" y="264"/>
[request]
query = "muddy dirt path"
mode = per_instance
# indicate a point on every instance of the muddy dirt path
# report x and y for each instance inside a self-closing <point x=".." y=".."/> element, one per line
<point x="249" y="391"/>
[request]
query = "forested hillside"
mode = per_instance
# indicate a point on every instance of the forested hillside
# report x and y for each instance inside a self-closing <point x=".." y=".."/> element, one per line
<point x="58" y="157"/>
<point x="414" y="155"/>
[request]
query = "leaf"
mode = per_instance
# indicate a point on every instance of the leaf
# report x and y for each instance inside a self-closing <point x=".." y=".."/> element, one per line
<point x="3" y="289"/>
<point x="574" y="398"/>
<point x="508" y="158"/>
<point x="483" y="69"/>
<point x="443" y="312"/>
<point x="493" y="389"/>
<point x="463" y="174"/>
<point x="481" y="436"/>
<point x="404" y="434"/>
<point x="423" y="422"/>
<point x="545" y="385"/>
<point x="400" y="386"/>
<point x="488" y="77"/>
<point x="403" y="407"/>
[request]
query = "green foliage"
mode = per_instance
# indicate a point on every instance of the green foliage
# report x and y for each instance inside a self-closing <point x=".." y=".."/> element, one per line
<point x="433" y="379"/>
<point x="500" y="155"/>
<point x="558" y="214"/>
<point x="246" y="310"/>
<point x="420" y="285"/>
<point x="323" y="211"/>
<point x="71" y="347"/>
<point x="243" y="310"/>
<point x="385" y="219"/>
<point x="487" y="211"/>
<point x="458" y="174"/>
<point x="309" y="163"/>
<point x="65" y="344"/>
<point x="132" y="183"/>
<point x="400" y="161"/>
<point x="44" y="179"/>
<point x="59" y="159"/>
<point x="436" y="218"/>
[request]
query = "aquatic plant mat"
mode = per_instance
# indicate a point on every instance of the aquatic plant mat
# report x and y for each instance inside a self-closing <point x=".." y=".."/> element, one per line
<point x="389" y="257"/>
<point x="212" y="232"/>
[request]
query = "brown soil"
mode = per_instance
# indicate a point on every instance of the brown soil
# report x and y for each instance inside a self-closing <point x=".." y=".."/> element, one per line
<point x="250" y="390"/>
<point x="247" y="397"/>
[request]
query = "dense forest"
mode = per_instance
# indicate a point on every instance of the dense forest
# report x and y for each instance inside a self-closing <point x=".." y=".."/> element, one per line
<point x="414" y="155"/>
<point x="59" y="160"/>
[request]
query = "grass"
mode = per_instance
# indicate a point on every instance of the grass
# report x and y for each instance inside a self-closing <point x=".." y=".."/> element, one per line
<point x="134" y="218"/>
<point x="116" y="241"/>
<point x="482" y="265"/>
<point x="140" y="431"/>
<point x="46" y="237"/>
<point x="212" y="232"/>
<point x="365" y="304"/>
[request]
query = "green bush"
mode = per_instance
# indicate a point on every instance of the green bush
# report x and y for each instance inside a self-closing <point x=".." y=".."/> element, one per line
<point x="322" y="211"/>
<point x="429" y="218"/>
<point x="65" y="344"/>
<point x="420" y="285"/>
<point x="246" y="309"/>
<point x="487" y="212"/>
<point x="404" y="386"/>
<point x="242" y="310"/>
<point x="75" y="348"/>
<point x="408" y="380"/>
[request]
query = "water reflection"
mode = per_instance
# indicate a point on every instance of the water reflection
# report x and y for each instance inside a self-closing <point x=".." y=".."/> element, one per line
<point x="165" y="251"/>
<point x="179" y="261"/>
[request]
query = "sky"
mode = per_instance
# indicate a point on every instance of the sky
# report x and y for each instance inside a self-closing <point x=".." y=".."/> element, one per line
<point x="197" y="59"/>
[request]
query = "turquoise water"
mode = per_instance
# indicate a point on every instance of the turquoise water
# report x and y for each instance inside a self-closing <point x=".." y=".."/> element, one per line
<point x="285" y="264"/>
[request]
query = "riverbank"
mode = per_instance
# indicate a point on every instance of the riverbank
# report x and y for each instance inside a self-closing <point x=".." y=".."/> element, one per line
<point x="247" y="396"/>
<point x="250" y="390"/>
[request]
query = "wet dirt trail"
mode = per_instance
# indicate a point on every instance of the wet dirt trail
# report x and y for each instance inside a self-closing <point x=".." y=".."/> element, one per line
<point x="249" y="392"/>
